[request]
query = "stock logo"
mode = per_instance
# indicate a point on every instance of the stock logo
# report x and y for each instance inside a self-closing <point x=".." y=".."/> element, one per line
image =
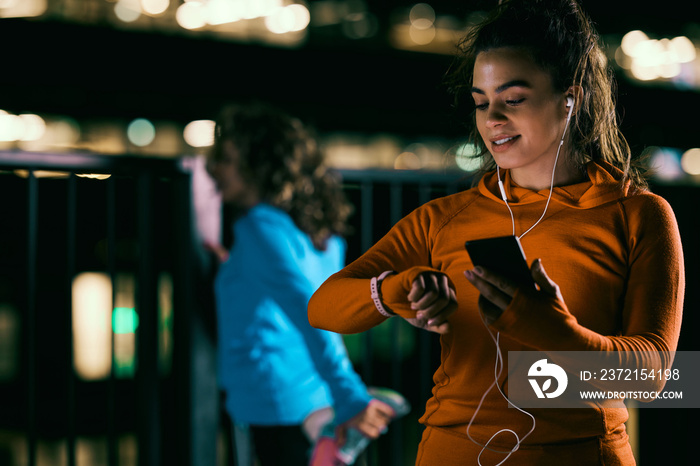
<point x="543" y="371"/>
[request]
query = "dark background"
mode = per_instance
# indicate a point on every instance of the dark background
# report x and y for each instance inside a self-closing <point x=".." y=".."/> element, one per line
<point x="337" y="83"/>
<point x="364" y="86"/>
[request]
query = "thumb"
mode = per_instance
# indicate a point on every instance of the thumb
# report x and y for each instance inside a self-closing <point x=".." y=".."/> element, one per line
<point x="542" y="279"/>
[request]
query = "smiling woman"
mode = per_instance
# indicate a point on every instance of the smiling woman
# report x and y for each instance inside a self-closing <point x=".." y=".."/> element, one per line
<point x="563" y="64"/>
<point x="555" y="167"/>
<point x="521" y="118"/>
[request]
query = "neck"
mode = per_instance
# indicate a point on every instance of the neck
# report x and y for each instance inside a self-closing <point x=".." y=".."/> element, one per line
<point x="537" y="183"/>
<point x="539" y="177"/>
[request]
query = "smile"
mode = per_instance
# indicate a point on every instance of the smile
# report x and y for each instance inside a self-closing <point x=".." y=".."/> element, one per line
<point x="502" y="141"/>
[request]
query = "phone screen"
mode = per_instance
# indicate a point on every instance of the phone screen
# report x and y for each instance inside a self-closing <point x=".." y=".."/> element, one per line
<point x="502" y="255"/>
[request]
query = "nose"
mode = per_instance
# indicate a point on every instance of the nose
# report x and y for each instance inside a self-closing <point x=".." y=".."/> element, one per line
<point x="495" y="117"/>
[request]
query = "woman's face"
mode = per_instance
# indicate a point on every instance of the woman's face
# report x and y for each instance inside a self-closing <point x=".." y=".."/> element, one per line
<point x="519" y="115"/>
<point x="232" y="185"/>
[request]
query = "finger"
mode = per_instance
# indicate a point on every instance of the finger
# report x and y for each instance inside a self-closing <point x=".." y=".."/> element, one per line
<point x="499" y="281"/>
<point x="441" y="329"/>
<point x="372" y="432"/>
<point x="435" y="319"/>
<point x="542" y="279"/>
<point x="440" y="310"/>
<point x="429" y="299"/>
<point x="417" y="288"/>
<point x="428" y="282"/>
<point x="489" y="291"/>
<point x="436" y="296"/>
<point x="383" y="410"/>
<point x="369" y="428"/>
<point x="442" y="316"/>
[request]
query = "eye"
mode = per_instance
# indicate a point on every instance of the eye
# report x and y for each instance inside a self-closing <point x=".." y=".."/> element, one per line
<point x="481" y="106"/>
<point x="514" y="102"/>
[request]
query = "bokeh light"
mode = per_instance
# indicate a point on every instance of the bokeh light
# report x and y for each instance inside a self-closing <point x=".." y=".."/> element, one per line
<point x="690" y="161"/>
<point x="422" y="16"/>
<point x="224" y="11"/>
<point x="11" y="127"/>
<point x="34" y="127"/>
<point x="22" y="8"/>
<point x="92" y="309"/>
<point x="8" y="3"/>
<point x="683" y="49"/>
<point x="191" y="15"/>
<point x="128" y="10"/>
<point x="141" y="132"/>
<point x="465" y="158"/>
<point x="155" y="7"/>
<point x="665" y="163"/>
<point x="199" y="133"/>
<point x="290" y="18"/>
<point x="631" y="40"/>
<point x="649" y="59"/>
<point x="422" y="30"/>
<point x="407" y="161"/>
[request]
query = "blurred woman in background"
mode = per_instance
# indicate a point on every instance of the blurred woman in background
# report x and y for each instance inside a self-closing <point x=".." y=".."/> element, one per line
<point x="281" y="377"/>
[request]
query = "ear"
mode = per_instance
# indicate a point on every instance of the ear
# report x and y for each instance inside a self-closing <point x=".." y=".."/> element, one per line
<point x="576" y="92"/>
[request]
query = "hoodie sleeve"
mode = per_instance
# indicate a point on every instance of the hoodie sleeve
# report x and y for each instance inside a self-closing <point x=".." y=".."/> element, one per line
<point x="653" y="301"/>
<point x="343" y="303"/>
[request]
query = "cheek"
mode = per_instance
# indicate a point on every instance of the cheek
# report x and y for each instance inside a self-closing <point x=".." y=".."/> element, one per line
<point x="549" y="131"/>
<point x="480" y="124"/>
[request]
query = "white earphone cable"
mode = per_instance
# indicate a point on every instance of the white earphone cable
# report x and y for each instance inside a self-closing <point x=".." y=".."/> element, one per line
<point x="498" y="370"/>
<point x="498" y="367"/>
<point x="551" y="184"/>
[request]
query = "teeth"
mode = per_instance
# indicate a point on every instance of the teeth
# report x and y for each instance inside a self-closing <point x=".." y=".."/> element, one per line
<point x="502" y="141"/>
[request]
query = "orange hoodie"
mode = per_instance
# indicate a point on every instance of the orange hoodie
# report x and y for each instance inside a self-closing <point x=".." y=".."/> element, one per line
<point x="615" y="254"/>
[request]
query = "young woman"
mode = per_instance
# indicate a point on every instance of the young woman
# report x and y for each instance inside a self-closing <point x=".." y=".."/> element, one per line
<point x="557" y="174"/>
<point x="281" y="377"/>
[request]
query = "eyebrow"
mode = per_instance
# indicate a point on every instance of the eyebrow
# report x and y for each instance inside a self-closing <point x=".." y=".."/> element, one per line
<point x="503" y="87"/>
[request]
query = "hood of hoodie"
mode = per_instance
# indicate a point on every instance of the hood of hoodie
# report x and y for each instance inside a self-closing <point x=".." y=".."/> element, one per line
<point x="601" y="187"/>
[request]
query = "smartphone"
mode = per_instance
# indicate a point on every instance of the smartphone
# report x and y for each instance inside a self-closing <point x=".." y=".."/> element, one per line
<point x="503" y="255"/>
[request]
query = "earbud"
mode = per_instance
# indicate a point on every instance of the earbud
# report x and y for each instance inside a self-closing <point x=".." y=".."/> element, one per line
<point x="570" y="106"/>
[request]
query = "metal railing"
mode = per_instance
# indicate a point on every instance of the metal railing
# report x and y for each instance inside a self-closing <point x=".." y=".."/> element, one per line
<point x="139" y="221"/>
<point x="381" y="198"/>
<point x="59" y="224"/>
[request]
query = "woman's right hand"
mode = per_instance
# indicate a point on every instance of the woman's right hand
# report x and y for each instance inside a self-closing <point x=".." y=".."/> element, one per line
<point x="370" y="422"/>
<point x="434" y="300"/>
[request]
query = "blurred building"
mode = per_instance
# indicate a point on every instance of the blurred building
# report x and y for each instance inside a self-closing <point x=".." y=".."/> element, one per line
<point x="147" y="76"/>
<point x="141" y="80"/>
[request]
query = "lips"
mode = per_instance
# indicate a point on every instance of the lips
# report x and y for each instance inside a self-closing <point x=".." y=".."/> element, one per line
<point x="503" y="142"/>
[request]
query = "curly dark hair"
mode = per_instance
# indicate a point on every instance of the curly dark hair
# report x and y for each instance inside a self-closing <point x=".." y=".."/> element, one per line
<point x="560" y="38"/>
<point x="281" y="157"/>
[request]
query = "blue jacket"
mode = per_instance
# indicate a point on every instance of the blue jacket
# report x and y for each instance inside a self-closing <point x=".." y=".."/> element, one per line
<point x="274" y="367"/>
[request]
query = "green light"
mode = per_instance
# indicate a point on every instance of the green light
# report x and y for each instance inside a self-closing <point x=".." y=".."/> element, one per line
<point x="124" y="320"/>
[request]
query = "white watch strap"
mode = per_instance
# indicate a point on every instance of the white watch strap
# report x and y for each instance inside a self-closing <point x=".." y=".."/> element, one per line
<point x="374" y="289"/>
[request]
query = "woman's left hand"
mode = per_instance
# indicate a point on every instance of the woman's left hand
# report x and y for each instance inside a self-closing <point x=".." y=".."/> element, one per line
<point x="497" y="291"/>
